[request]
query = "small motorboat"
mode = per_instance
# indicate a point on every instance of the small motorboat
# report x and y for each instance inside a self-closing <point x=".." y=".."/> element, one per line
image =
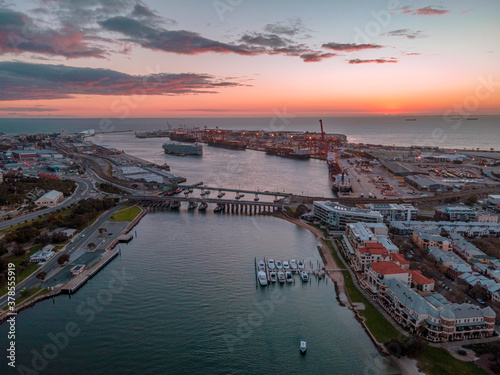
<point x="279" y="265"/>
<point x="270" y="264"/>
<point x="207" y="192"/>
<point x="218" y="208"/>
<point x="281" y="277"/>
<point x="256" y="199"/>
<point x="203" y="193"/>
<point x="178" y="191"/>
<point x="303" y="346"/>
<point x="186" y="192"/>
<point x="301" y="265"/>
<point x="175" y="204"/>
<point x="203" y="206"/>
<point x="272" y="276"/>
<point x="190" y="190"/>
<point x="261" y="275"/>
<point x="304" y="276"/>
<point x="221" y="194"/>
<point x="286" y="265"/>
<point x="293" y="264"/>
<point x="289" y="277"/>
<point x="261" y="266"/>
<point x="192" y="205"/>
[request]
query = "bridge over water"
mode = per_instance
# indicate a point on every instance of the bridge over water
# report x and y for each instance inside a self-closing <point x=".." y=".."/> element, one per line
<point x="227" y="205"/>
<point x="200" y="186"/>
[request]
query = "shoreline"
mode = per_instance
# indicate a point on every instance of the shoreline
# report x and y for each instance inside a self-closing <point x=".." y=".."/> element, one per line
<point x="404" y="364"/>
<point x="56" y="292"/>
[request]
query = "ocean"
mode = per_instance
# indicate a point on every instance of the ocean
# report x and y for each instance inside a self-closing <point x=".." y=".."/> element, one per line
<point x="436" y="131"/>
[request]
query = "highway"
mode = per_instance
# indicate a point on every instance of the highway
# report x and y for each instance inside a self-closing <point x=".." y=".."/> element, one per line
<point x="90" y="234"/>
<point x="83" y="191"/>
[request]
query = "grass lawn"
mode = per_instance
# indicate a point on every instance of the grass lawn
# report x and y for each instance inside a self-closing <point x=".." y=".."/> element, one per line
<point x="378" y="325"/>
<point x="436" y="361"/>
<point x="127" y="213"/>
<point x="32" y="291"/>
<point x="27" y="271"/>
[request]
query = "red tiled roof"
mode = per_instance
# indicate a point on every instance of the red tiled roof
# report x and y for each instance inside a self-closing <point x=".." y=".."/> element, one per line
<point x="372" y="248"/>
<point x="387" y="268"/>
<point x="400" y="259"/>
<point x="419" y="278"/>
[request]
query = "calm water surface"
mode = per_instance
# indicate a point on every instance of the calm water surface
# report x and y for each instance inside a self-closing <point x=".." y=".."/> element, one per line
<point x="191" y="306"/>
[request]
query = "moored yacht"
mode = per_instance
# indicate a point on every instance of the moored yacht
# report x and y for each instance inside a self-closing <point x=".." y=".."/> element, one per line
<point x="203" y="206"/>
<point x="304" y="276"/>
<point x="261" y="266"/>
<point x="270" y="264"/>
<point x="261" y="275"/>
<point x="286" y="265"/>
<point x="192" y="205"/>
<point x="289" y="277"/>
<point x="281" y="277"/>
<point x="301" y="265"/>
<point x="279" y="265"/>
<point x="272" y="276"/>
<point x="293" y="264"/>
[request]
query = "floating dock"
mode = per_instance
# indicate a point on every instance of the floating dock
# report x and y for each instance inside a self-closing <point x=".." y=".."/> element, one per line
<point x="313" y="268"/>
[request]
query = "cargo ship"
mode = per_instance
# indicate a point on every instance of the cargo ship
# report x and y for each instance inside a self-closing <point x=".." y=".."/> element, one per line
<point x="182" y="137"/>
<point x="289" y="152"/>
<point x="232" y="145"/>
<point x="338" y="179"/>
<point x="152" y="134"/>
<point x="176" y="148"/>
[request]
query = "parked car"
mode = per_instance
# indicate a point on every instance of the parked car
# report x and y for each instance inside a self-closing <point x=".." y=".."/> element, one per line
<point x="480" y="301"/>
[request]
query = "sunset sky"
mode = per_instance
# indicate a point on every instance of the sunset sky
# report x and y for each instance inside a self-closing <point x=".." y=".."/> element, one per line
<point x="198" y="58"/>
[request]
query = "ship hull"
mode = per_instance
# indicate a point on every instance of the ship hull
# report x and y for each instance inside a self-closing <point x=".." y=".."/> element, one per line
<point x="228" y="146"/>
<point x="180" y="149"/>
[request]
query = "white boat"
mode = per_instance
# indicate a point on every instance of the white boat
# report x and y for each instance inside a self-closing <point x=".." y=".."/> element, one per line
<point x="293" y="264"/>
<point x="286" y="265"/>
<point x="221" y="194"/>
<point x="289" y="277"/>
<point x="270" y="264"/>
<point x="192" y="205"/>
<point x="301" y="265"/>
<point x="203" y="206"/>
<point x="279" y="265"/>
<point x="273" y="277"/>
<point x="207" y="192"/>
<point x="175" y="204"/>
<point x="218" y="208"/>
<point x="303" y="346"/>
<point x="203" y="193"/>
<point x="261" y="266"/>
<point x="281" y="277"/>
<point x="261" y="275"/>
<point x="304" y="276"/>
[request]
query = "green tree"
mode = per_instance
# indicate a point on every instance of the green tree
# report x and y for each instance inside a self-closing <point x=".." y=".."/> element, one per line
<point x="63" y="259"/>
<point x="471" y="200"/>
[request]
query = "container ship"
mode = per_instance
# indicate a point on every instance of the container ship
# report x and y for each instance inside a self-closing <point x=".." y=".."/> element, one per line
<point x="232" y="145"/>
<point x="338" y="179"/>
<point x="176" y="148"/>
<point x="182" y="137"/>
<point x="289" y="152"/>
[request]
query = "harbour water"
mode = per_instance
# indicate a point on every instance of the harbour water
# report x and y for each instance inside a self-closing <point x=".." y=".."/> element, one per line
<point x="185" y="302"/>
<point x="440" y="131"/>
<point x="249" y="169"/>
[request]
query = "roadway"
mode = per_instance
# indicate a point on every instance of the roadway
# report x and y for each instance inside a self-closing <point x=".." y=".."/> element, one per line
<point x="88" y="235"/>
<point x="84" y="188"/>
